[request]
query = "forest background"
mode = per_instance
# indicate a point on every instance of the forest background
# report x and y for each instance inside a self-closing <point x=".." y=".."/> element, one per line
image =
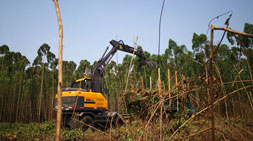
<point x="28" y="88"/>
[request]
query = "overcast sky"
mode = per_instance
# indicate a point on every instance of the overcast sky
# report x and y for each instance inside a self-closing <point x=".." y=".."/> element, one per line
<point x="89" y="25"/>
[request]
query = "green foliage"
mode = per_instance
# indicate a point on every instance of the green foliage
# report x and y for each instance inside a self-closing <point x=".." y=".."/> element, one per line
<point x="33" y="131"/>
<point x="198" y="41"/>
<point x="4" y="49"/>
<point x="73" y="134"/>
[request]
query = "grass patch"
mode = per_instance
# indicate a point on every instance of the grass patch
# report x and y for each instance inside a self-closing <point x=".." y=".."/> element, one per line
<point x="45" y="130"/>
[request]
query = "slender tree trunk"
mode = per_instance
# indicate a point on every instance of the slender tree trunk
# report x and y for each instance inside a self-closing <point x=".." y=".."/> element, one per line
<point x="24" y="106"/>
<point x="19" y="97"/>
<point x="41" y="90"/>
<point x="2" y="109"/>
<point x="142" y="84"/>
<point x="176" y="90"/>
<point x="145" y="78"/>
<point x="197" y="96"/>
<point x="150" y="82"/>
<point x="59" y="111"/>
<point x="21" y="117"/>
<point x="12" y="109"/>
<point x="115" y="95"/>
<point x="169" y="89"/>
<point x="161" y="108"/>
<point x="52" y="99"/>
<point x="210" y="84"/>
<point x="30" y="107"/>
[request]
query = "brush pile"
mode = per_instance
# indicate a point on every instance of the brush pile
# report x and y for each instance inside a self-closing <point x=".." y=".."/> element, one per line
<point x="140" y="103"/>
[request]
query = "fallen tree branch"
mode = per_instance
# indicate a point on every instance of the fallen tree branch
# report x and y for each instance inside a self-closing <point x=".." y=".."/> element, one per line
<point x="193" y="116"/>
<point x="194" y="134"/>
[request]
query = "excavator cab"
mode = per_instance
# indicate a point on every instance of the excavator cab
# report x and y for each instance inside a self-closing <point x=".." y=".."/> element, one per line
<point x="84" y="84"/>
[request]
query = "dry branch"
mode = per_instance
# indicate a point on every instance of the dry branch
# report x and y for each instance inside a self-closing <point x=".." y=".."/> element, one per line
<point x="194" y="134"/>
<point x="190" y="119"/>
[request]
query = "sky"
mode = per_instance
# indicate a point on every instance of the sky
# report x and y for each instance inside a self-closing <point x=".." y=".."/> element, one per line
<point x="89" y="25"/>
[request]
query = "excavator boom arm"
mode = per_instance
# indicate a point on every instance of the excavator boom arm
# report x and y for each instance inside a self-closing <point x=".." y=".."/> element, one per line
<point x="103" y="62"/>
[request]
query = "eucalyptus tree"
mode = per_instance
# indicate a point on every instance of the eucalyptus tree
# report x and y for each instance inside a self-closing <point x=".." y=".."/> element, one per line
<point x="44" y="58"/>
<point x="31" y="88"/>
<point x="200" y="47"/>
<point x="13" y="83"/>
<point x="198" y="42"/>
<point x="13" y="65"/>
<point x="178" y="57"/>
<point x="4" y="50"/>
<point x="22" y="63"/>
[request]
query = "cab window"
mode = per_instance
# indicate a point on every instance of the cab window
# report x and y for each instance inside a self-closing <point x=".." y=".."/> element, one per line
<point x="84" y="84"/>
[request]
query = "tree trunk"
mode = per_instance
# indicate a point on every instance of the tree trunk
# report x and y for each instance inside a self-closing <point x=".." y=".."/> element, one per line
<point x="161" y="108"/>
<point x="176" y="90"/>
<point x="59" y="111"/>
<point x="52" y="99"/>
<point x="41" y="90"/>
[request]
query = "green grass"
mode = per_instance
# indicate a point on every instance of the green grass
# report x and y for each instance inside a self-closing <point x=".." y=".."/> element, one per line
<point x="45" y="130"/>
<point x="134" y="131"/>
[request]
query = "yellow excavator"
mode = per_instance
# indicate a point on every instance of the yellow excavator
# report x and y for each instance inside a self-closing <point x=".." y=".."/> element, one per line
<point x="84" y="104"/>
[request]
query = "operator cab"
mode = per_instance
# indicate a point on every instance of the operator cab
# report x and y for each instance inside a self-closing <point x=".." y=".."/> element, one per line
<point x="84" y="84"/>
